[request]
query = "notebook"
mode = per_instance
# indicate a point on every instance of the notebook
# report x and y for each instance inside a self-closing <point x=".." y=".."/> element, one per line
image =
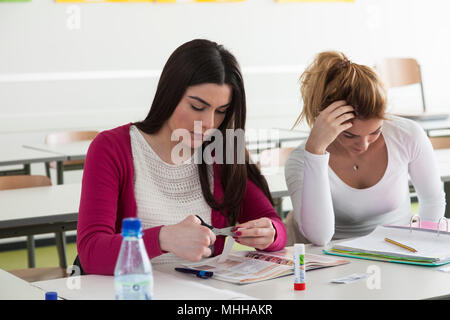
<point x="433" y="248"/>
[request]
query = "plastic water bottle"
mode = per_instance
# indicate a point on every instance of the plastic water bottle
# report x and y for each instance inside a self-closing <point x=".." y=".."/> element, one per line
<point x="133" y="276"/>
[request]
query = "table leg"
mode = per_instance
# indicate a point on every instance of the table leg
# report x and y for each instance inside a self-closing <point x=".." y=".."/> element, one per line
<point x="278" y="206"/>
<point x="27" y="168"/>
<point x="61" y="246"/>
<point x="30" y="249"/>
<point x="59" y="172"/>
<point x="447" y="199"/>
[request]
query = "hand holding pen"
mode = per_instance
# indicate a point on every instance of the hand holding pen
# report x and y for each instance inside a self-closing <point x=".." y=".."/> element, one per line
<point x="259" y="233"/>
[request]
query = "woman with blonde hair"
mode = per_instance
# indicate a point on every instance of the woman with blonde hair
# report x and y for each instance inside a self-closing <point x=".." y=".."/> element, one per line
<point x="352" y="172"/>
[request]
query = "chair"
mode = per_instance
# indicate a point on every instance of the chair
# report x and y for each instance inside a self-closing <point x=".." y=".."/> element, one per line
<point x="58" y="138"/>
<point x="399" y="72"/>
<point x="443" y="143"/>
<point x="23" y="181"/>
<point x="29" y="181"/>
<point x="440" y="142"/>
<point x="39" y="274"/>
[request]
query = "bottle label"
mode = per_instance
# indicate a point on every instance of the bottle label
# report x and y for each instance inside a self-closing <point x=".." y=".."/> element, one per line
<point x="133" y="288"/>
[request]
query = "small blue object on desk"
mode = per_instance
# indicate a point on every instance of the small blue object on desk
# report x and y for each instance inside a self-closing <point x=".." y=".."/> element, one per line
<point x="51" y="295"/>
<point x="199" y="273"/>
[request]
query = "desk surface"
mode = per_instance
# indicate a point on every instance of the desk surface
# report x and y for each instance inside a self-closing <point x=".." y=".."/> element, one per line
<point x="13" y="288"/>
<point x="72" y="151"/>
<point x="78" y="150"/>
<point x="19" y="155"/>
<point x="396" y="281"/>
<point x="39" y="205"/>
<point x="390" y="281"/>
<point x="435" y="124"/>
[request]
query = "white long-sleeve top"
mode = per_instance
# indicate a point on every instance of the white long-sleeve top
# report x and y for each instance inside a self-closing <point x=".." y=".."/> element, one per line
<point x="325" y="207"/>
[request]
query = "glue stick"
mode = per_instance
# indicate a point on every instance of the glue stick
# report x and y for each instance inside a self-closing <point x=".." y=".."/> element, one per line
<point x="299" y="266"/>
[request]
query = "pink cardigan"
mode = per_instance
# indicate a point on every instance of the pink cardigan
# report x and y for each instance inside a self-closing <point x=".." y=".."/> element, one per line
<point x="107" y="197"/>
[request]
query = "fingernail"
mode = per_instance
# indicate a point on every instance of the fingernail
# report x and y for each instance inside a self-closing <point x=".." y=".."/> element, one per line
<point x="238" y="233"/>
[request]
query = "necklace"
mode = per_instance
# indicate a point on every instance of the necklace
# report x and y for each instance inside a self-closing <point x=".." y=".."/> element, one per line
<point x="355" y="167"/>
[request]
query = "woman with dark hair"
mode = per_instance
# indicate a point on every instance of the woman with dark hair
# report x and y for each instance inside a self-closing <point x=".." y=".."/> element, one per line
<point x="131" y="171"/>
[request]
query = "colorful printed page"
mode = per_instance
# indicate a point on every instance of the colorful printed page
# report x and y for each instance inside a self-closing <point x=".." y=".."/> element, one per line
<point x="243" y="267"/>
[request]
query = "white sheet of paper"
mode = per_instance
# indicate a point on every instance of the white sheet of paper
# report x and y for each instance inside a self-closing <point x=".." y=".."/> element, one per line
<point x="350" y="278"/>
<point x="166" y="287"/>
<point x="227" y="249"/>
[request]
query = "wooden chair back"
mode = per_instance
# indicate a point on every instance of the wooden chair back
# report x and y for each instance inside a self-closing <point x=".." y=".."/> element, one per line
<point x="440" y="142"/>
<point x="68" y="137"/>
<point x="23" y="181"/>
<point x="399" y="72"/>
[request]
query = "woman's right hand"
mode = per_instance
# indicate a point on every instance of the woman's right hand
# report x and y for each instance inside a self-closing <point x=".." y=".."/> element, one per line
<point x="328" y="125"/>
<point x="187" y="239"/>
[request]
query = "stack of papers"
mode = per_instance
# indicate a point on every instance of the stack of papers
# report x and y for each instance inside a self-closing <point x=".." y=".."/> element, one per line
<point x="432" y="249"/>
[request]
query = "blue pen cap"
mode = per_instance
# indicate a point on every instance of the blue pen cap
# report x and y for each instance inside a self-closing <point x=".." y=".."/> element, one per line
<point x="131" y="227"/>
<point x="51" y="295"/>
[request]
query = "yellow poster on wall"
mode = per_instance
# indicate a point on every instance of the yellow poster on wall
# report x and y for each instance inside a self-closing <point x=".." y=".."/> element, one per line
<point x="100" y="1"/>
<point x="185" y="1"/>
<point x="159" y="1"/>
<point x="285" y="1"/>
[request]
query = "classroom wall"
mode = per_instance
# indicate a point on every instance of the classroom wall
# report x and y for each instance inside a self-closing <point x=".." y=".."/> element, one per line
<point x="66" y="66"/>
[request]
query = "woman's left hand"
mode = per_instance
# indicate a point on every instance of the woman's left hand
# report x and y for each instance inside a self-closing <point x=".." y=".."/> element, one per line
<point x="258" y="233"/>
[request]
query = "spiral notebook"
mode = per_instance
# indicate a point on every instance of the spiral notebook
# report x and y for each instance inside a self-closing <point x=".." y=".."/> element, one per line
<point x="433" y="246"/>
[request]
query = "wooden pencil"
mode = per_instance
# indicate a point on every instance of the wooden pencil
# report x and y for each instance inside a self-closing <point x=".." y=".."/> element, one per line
<point x="400" y="245"/>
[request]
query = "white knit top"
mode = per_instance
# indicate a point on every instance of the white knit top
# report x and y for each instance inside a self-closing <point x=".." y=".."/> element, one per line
<point x="165" y="193"/>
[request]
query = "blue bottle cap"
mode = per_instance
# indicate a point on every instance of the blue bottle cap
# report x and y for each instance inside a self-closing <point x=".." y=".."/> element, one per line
<point x="51" y="295"/>
<point x="131" y="227"/>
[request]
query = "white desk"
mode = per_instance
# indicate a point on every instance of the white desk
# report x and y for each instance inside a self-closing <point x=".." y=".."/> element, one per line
<point x="78" y="150"/>
<point x="39" y="210"/>
<point x="47" y="209"/>
<point x="69" y="151"/>
<point x="16" y="155"/>
<point x="13" y="288"/>
<point x="397" y="281"/>
<point x="431" y="125"/>
<point x="40" y="205"/>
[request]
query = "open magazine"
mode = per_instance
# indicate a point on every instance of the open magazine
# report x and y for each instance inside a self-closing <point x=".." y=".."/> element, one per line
<point x="252" y="266"/>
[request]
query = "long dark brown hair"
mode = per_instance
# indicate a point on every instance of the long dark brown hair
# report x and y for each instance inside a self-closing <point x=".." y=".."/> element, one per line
<point x="199" y="62"/>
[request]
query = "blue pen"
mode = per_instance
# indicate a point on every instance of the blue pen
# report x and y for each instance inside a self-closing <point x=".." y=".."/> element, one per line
<point x="199" y="273"/>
